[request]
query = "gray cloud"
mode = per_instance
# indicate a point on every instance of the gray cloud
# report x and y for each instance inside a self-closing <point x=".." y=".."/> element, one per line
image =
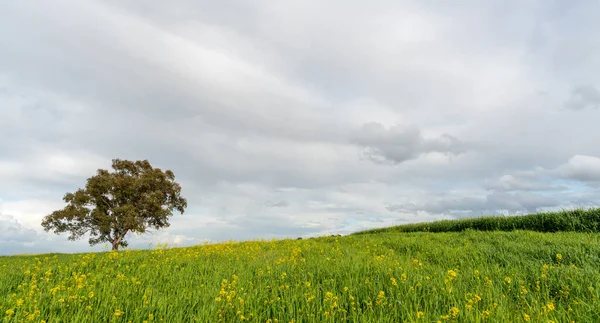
<point x="399" y="144"/>
<point x="583" y="97"/>
<point x="578" y="168"/>
<point x="581" y="168"/>
<point x="254" y="102"/>
<point x="492" y="203"/>
<point x="13" y="231"/>
<point x="276" y="204"/>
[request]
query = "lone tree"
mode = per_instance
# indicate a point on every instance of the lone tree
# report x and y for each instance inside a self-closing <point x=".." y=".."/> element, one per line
<point x="133" y="198"/>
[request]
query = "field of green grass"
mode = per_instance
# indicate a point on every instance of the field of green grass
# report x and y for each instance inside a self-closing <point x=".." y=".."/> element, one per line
<point x="577" y="220"/>
<point x="392" y="276"/>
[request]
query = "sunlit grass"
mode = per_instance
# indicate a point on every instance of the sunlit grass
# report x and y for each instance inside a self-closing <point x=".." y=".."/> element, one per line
<point x="389" y="277"/>
<point x="575" y="220"/>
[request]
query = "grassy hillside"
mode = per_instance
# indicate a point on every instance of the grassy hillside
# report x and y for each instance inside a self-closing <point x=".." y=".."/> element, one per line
<point x="469" y="276"/>
<point x="578" y="220"/>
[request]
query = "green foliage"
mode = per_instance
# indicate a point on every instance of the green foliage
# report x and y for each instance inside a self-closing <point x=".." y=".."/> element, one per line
<point x="133" y="198"/>
<point x="577" y="220"/>
<point x="469" y="276"/>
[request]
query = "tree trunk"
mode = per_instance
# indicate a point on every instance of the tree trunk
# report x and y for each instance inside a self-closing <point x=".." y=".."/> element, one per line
<point x="117" y="240"/>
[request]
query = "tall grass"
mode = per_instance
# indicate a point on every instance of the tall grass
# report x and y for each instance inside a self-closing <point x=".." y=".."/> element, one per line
<point x="469" y="276"/>
<point x="577" y="220"/>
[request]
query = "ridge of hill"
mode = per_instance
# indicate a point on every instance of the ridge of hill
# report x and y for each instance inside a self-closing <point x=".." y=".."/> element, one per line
<point x="576" y="220"/>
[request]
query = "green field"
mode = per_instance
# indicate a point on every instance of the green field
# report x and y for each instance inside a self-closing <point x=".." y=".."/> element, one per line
<point x="577" y="220"/>
<point x="385" y="276"/>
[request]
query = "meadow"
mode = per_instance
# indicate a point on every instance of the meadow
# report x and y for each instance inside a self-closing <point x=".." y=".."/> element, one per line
<point x="574" y="220"/>
<point x="384" y="276"/>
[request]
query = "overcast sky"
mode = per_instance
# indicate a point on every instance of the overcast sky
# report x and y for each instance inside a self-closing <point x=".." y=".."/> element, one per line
<point x="299" y="118"/>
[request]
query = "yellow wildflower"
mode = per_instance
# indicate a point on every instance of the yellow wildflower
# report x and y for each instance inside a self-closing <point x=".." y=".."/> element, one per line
<point x="451" y="274"/>
<point x="380" y="298"/>
<point x="454" y="312"/>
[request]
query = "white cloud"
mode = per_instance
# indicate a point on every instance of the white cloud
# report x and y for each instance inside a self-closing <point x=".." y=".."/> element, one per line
<point x="263" y="110"/>
<point x="521" y="182"/>
<point x="14" y="231"/>
<point x="488" y="204"/>
<point x="30" y="212"/>
<point x="580" y="167"/>
<point x="399" y="144"/>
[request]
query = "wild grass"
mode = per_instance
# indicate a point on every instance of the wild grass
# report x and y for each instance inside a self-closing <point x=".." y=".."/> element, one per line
<point x="576" y="220"/>
<point x="468" y="276"/>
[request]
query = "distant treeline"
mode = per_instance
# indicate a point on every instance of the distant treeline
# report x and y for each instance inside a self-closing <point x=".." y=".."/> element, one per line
<point x="578" y="220"/>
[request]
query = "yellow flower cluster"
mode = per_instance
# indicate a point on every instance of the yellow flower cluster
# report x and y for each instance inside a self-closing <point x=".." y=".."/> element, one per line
<point x="350" y="279"/>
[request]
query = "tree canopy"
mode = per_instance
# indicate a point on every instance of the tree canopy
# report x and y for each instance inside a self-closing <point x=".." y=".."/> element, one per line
<point x="132" y="198"/>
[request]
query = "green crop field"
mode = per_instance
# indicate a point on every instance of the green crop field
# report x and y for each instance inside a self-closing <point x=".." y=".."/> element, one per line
<point x="377" y="276"/>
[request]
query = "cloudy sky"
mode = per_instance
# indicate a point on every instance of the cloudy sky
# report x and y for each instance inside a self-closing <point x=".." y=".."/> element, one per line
<point x="300" y="118"/>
